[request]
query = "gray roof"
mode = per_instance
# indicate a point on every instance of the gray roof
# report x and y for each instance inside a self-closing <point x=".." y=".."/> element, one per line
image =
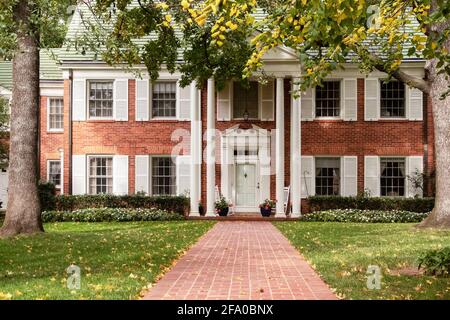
<point x="50" y="68"/>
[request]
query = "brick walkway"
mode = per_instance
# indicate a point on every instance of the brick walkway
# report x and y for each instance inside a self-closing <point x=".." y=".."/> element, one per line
<point x="241" y="260"/>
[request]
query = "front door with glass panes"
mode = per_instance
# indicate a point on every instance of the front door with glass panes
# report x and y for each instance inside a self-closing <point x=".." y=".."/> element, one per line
<point x="246" y="187"/>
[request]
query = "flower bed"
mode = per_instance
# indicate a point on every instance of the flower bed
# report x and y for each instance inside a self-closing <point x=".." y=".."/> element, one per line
<point x="365" y="216"/>
<point x="110" y="214"/>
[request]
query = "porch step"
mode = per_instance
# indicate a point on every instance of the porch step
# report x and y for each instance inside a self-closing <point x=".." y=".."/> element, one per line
<point x="244" y="217"/>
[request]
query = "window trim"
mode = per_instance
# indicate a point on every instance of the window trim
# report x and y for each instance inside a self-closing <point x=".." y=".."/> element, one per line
<point x="88" y="116"/>
<point x="384" y="118"/>
<point x="405" y="158"/>
<point x="258" y="102"/>
<point x="341" y="100"/>
<point x="48" y="114"/>
<point x="177" y="97"/>
<point x="48" y="171"/>
<point x="150" y="179"/>
<point x="340" y="158"/>
<point x="88" y="170"/>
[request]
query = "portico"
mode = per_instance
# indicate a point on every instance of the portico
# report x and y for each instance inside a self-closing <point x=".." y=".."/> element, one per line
<point x="251" y="155"/>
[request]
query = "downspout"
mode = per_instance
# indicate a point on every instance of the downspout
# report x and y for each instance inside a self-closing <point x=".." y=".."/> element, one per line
<point x="69" y="180"/>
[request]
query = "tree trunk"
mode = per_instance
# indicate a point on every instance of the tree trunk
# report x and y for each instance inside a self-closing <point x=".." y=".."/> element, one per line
<point x="23" y="215"/>
<point x="440" y="216"/>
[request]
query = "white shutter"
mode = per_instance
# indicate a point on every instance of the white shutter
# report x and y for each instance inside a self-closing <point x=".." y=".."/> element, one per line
<point x="349" y="176"/>
<point x="372" y="175"/>
<point x="79" y="100"/>
<point x="414" y="104"/>
<point x="183" y="174"/>
<point x="78" y="174"/>
<point x="414" y="166"/>
<point x="308" y="104"/>
<point x="308" y="176"/>
<point x="183" y="102"/>
<point x="350" y="101"/>
<point x="121" y="100"/>
<point x="141" y="168"/>
<point x="372" y="100"/>
<point x="224" y="103"/>
<point x="142" y="99"/>
<point x="120" y="175"/>
<point x="266" y="100"/>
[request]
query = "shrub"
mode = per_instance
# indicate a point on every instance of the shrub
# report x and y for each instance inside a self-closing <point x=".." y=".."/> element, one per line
<point x="436" y="262"/>
<point x="109" y="214"/>
<point x="365" y="216"/>
<point x="179" y="205"/>
<point x="322" y="203"/>
<point x="47" y="195"/>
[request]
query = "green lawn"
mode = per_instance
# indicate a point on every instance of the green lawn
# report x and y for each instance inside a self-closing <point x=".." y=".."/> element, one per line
<point x="116" y="259"/>
<point x="342" y="252"/>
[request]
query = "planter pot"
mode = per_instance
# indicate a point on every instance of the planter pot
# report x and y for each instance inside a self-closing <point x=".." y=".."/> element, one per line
<point x="266" y="212"/>
<point x="224" y="212"/>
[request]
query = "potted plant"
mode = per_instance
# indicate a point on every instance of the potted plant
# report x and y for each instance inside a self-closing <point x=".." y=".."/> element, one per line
<point x="266" y="207"/>
<point x="222" y="207"/>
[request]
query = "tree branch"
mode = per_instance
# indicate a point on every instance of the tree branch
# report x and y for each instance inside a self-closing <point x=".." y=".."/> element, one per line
<point x="398" y="74"/>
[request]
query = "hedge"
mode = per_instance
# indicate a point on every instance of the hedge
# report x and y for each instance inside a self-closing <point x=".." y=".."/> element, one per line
<point x="365" y="216"/>
<point x="110" y="215"/>
<point x="52" y="202"/>
<point x="323" y="203"/>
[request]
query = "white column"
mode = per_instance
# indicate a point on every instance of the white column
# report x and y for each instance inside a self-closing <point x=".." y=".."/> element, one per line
<point x="295" y="151"/>
<point x="211" y="149"/>
<point x="280" y="147"/>
<point x="195" y="149"/>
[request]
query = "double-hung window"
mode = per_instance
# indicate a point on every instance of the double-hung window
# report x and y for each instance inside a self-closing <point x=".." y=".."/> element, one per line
<point x="55" y="114"/>
<point x="101" y="99"/>
<point x="393" y="100"/>
<point x="54" y="172"/>
<point x="393" y="177"/>
<point x="328" y="178"/>
<point x="328" y="99"/>
<point x="245" y="100"/>
<point x="163" y="176"/>
<point x="164" y="99"/>
<point x="100" y="175"/>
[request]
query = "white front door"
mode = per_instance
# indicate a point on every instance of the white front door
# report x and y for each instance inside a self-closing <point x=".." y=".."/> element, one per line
<point x="4" y="188"/>
<point x="246" y="187"/>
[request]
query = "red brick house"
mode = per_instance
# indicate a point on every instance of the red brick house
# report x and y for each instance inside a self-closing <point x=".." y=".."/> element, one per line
<point x="107" y="130"/>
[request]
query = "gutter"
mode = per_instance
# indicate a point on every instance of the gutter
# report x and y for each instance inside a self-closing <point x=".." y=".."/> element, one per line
<point x="69" y="180"/>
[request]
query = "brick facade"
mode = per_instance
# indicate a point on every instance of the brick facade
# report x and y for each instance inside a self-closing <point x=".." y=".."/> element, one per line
<point x="319" y="137"/>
